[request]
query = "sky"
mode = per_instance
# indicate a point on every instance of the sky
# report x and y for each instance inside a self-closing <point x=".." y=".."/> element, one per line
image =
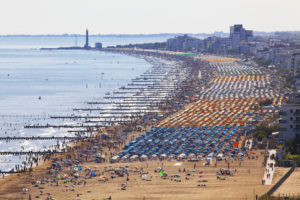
<point x="146" y="16"/>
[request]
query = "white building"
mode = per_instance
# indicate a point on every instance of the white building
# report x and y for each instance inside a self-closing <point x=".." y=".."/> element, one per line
<point x="290" y="118"/>
<point x="295" y="67"/>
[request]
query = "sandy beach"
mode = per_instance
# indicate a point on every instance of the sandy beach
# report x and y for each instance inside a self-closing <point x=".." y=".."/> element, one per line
<point x="186" y="180"/>
<point x="88" y="171"/>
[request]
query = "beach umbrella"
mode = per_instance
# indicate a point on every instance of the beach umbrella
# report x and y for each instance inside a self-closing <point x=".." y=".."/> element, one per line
<point x="163" y="156"/>
<point x="236" y="144"/>
<point x="181" y="155"/>
<point x="93" y="175"/>
<point x="143" y="156"/>
<point x="115" y="157"/>
<point x="191" y="155"/>
<point x="144" y="175"/>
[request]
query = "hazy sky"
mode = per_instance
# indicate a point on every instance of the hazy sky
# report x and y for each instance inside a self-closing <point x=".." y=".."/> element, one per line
<point x="145" y="16"/>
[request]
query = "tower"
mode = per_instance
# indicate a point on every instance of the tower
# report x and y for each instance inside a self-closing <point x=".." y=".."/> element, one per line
<point x="86" y="46"/>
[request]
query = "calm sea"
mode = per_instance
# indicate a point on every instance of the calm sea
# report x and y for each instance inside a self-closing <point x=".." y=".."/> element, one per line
<point x="35" y="83"/>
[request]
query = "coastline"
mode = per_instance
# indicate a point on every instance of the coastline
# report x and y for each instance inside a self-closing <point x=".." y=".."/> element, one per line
<point x="40" y="106"/>
<point x="24" y="178"/>
<point x="185" y="179"/>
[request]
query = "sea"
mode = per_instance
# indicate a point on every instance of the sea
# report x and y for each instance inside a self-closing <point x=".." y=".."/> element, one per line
<point x="36" y="84"/>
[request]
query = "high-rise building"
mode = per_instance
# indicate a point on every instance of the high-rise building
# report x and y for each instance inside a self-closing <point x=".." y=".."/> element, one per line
<point x="236" y="39"/>
<point x="296" y="64"/>
<point x="249" y="35"/>
<point x="238" y="34"/>
<point x="295" y="68"/>
<point x="290" y="113"/>
<point x="289" y="121"/>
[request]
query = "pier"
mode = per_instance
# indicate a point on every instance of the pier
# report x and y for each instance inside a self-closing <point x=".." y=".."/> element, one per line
<point x="63" y="126"/>
<point x="41" y="138"/>
<point x="20" y="153"/>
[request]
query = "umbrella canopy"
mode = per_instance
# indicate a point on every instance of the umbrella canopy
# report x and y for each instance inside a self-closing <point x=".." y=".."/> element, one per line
<point x="181" y="155"/>
<point x="93" y="175"/>
<point x="235" y="144"/>
<point x="115" y="157"/>
<point x="144" y="175"/>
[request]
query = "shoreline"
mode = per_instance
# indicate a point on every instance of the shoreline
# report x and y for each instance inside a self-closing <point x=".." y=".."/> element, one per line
<point x="147" y="61"/>
<point x="42" y="166"/>
<point x="185" y="179"/>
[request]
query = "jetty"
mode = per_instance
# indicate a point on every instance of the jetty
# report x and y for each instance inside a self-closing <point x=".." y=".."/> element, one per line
<point x="19" y="153"/>
<point x="64" y="126"/>
<point x="41" y="138"/>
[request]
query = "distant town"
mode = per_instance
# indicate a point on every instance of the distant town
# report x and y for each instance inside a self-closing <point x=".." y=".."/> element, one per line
<point x="273" y="49"/>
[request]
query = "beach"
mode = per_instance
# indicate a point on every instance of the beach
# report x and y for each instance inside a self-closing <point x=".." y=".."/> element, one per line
<point x="174" y="156"/>
<point x="244" y="182"/>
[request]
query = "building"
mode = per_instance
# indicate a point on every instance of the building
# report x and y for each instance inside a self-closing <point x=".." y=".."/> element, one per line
<point x="244" y="48"/>
<point x="249" y="35"/>
<point x="281" y="56"/>
<point x="86" y="46"/>
<point x="98" y="45"/>
<point x="215" y="44"/>
<point x="236" y="39"/>
<point x="289" y="121"/>
<point x="238" y="34"/>
<point x="290" y="114"/>
<point x="296" y="64"/>
<point x="295" y="68"/>
<point x="237" y="28"/>
<point x="184" y="43"/>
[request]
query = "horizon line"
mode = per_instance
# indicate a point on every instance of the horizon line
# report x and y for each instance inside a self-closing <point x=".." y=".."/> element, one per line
<point x="134" y="34"/>
<point x="73" y="34"/>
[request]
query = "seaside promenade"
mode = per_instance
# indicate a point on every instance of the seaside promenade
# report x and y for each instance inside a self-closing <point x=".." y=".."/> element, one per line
<point x="270" y="167"/>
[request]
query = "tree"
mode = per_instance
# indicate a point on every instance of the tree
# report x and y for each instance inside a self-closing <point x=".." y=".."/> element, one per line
<point x="260" y="134"/>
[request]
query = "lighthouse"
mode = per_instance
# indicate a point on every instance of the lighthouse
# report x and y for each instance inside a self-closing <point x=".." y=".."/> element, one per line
<point x="86" y="46"/>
